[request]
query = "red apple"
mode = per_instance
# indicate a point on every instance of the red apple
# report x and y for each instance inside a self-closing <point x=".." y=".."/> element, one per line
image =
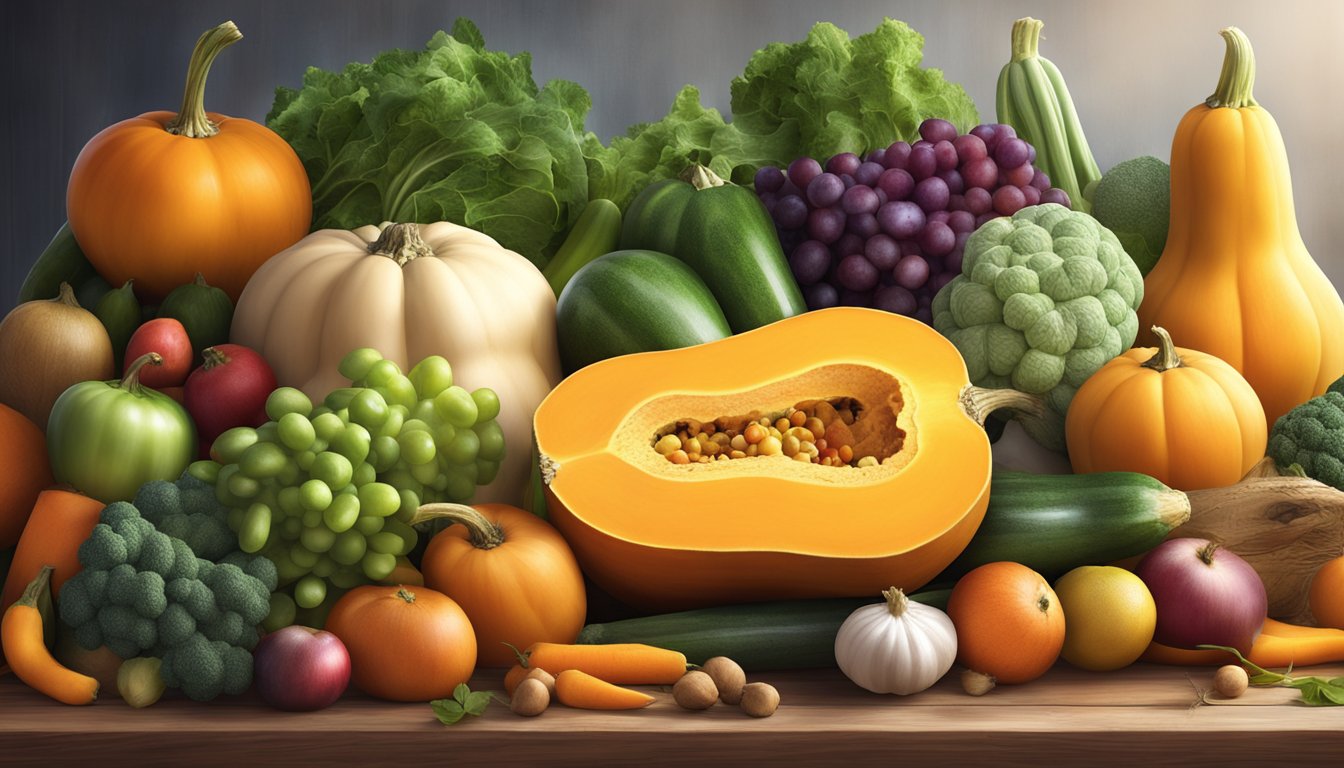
<point x="229" y="390"/>
<point x="169" y="338"/>
<point x="300" y="669"/>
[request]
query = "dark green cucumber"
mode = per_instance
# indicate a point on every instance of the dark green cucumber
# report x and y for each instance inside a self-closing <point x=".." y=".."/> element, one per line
<point x="725" y="234"/>
<point x="1055" y="523"/>
<point x="60" y="262"/>
<point x="120" y="314"/>
<point x="634" y="301"/>
<point x="204" y="311"/>
<point x="789" y="634"/>
<point x="597" y="231"/>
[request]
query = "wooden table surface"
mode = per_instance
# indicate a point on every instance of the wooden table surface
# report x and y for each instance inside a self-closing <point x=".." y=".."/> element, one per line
<point x="1140" y="716"/>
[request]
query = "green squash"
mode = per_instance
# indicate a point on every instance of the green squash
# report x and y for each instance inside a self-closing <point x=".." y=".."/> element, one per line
<point x="634" y="301"/>
<point x="120" y="314"/>
<point x="723" y="232"/>
<point x="204" y="310"/>
<point x="107" y="438"/>
<point x="61" y="261"/>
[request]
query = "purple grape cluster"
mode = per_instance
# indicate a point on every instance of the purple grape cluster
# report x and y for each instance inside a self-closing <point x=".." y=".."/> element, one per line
<point x="888" y="230"/>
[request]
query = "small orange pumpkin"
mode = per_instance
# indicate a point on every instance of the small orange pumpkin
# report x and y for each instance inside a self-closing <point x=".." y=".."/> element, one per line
<point x="1182" y="416"/>
<point x="511" y="572"/>
<point x="164" y="195"/>
<point x="405" y="643"/>
<point x="23" y="454"/>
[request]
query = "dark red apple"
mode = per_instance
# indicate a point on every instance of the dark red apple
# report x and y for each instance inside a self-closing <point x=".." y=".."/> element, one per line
<point x="169" y="338"/>
<point x="229" y="390"/>
<point x="300" y="669"/>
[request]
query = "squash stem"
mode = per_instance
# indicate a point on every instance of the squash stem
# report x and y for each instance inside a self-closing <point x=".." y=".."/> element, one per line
<point x="401" y="243"/>
<point x="897" y="602"/>
<point x="33" y="592"/>
<point x="980" y="402"/>
<point x="701" y="177"/>
<point x="131" y="381"/>
<point x="1026" y="38"/>
<point x="191" y="121"/>
<point x="1166" y="357"/>
<point x="1237" y="79"/>
<point x="483" y="533"/>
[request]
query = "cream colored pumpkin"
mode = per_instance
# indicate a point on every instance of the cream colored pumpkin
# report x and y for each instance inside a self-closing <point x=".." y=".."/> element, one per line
<point x="411" y="291"/>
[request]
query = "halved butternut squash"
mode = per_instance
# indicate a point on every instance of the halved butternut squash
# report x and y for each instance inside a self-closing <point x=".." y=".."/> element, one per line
<point x="662" y="535"/>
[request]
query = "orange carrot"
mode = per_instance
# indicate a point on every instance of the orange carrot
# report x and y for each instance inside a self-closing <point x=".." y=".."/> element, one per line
<point x="620" y="663"/>
<point x="583" y="691"/>
<point x="21" y="635"/>
<point x="1279" y="645"/>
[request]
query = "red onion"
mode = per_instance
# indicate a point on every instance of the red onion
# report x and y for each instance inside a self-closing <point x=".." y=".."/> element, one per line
<point x="1204" y="594"/>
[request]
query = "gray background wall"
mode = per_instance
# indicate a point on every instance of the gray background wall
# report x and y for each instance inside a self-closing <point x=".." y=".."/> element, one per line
<point x="72" y="68"/>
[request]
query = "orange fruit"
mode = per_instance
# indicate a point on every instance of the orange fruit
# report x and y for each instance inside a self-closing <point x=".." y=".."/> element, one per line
<point x="1009" y="622"/>
<point x="1326" y="597"/>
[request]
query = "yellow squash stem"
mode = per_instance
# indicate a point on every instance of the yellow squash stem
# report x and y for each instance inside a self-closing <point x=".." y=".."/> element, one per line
<point x="1237" y="79"/>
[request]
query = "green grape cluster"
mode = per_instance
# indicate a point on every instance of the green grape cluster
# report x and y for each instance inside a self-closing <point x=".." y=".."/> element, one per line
<point x="328" y="493"/>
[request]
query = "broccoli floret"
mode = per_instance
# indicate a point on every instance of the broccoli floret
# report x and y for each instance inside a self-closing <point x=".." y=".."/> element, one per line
<point x="164" y="577"/>
<point x="1311" y="436"/>
<point x="175" y="625"/>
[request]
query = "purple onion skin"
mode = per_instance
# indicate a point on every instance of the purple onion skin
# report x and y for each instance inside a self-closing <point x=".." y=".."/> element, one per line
<point x="1204" y="595"/>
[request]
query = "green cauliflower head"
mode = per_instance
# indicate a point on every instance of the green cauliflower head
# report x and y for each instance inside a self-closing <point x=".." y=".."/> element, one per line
<point x="1045" y="298"/>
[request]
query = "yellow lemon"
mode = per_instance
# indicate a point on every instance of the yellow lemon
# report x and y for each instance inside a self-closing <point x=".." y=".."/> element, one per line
<point x="1109" y="617"/>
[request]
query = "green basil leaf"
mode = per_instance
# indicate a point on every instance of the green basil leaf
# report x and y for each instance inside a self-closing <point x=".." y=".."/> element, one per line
<point x="448" y="711"/>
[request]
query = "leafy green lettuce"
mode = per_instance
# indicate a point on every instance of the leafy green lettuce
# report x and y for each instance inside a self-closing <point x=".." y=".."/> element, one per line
<point x="818" y="97"/>
<point x="450" y="133"/>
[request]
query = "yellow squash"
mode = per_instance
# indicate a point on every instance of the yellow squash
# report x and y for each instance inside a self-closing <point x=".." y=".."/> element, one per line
<point x="1235" y="279"/>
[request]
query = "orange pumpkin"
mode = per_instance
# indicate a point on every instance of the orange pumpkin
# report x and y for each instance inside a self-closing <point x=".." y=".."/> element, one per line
<point x="164" y="195"/>
<point x="1009" y="622"/>
<point x="1181" y="416"/>
<point x="23" y="454"/>
<point x="405" y="644"/>
<point x="511" y="572"/>
<point x="1235" y="279"/>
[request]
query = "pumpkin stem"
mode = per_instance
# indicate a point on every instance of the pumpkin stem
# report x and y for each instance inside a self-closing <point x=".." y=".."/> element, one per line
<point x="1237" y="79"/>
<point x="897" y="602"/>
<point x="1166" y="357"/>
<point x="401" y="243"/>
<point x="1031" y="411"/>
<point x="131" y="381"/>
<point x="191" y="121"/>
<point x="483" y="533"/>
<point x="1026" y="38"/>
<point x="701" y="177"/>
<point x="406" y="594"/>
<point x="66" y="296"/>
<point x="213" y="358"/>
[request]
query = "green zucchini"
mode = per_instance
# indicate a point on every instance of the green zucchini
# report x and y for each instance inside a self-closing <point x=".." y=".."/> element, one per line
<point x="1055" y="523"/>
<point x="597" y="231"/>
<point x="634" y="301"/>
<point x="61" y="262"/>
<point x="723" y="232"/>
<point x="120" y="314"/>
<point x="789" y="634"/>
<point x="204" y="311"/>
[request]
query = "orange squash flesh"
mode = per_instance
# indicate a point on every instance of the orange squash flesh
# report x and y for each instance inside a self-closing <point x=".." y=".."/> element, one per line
<point x="664" y="536"/>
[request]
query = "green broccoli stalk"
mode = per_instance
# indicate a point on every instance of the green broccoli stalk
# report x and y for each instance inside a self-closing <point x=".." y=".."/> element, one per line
<point x="1310" y="439"/>
<point x="163" y="577"/>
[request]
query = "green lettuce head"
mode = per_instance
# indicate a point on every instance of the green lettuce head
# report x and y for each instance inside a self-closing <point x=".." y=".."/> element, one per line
<point x="1045" y="298"/>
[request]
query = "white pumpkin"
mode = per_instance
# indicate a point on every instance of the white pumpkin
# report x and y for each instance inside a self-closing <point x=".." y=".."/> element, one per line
<point x="411" y="291"/>
<point x="898" y="646"/>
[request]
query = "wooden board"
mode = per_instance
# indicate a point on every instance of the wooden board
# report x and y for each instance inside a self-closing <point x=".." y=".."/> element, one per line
<point x="1068" y="717"/>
